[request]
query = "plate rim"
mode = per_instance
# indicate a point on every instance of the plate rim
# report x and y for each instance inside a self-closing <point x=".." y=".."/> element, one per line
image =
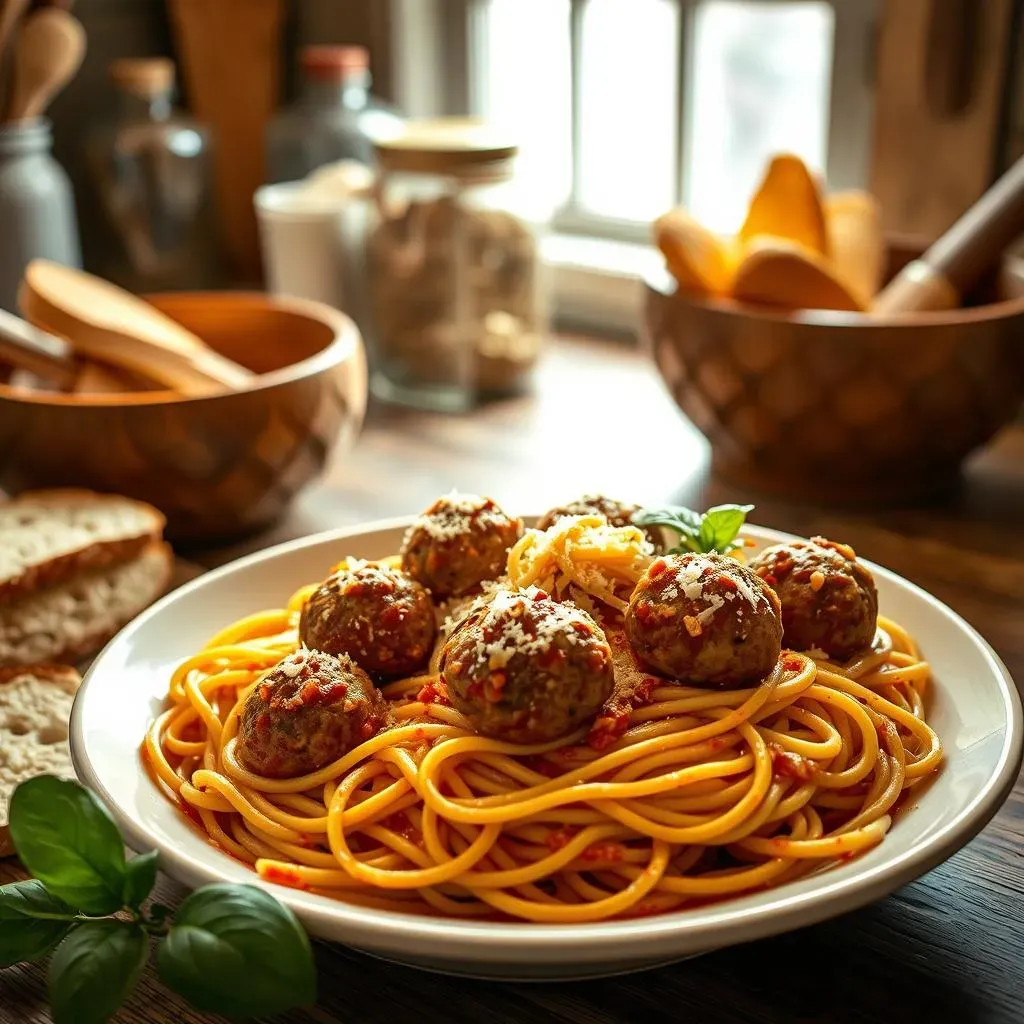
<point x="708" y="928"/>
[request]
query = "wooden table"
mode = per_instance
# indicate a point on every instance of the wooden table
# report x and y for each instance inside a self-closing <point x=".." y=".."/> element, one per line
<point x="948" y="947"/>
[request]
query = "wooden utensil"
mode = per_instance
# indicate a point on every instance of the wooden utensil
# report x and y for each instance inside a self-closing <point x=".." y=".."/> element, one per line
<point x="28" y="348"/>
<point x="11" y="12"/>
<point x="231" y="67"/>
<point x="973" y="245"/>
<point x="48" y="52"/>
<point x="107" y="323"/>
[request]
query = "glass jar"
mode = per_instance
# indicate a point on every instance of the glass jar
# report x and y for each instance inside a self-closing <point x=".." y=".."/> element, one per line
<point x="453" y="269"/>
<point x="335" y="117"/>
<point x="152" y="169"/>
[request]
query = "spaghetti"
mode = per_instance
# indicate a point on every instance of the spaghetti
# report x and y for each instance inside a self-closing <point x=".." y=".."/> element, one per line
<point x="696" y="795"/>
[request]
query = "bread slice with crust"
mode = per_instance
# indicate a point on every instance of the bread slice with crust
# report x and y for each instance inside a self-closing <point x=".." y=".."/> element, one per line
<point x="50" y="536"/>
<point x="73" y="619"/>
<point x="35" y="707"/>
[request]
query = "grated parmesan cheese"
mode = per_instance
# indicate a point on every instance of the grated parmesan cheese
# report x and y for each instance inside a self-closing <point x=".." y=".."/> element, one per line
<point x="586" y="553"/>
<point x="292" y="666"/>
<point x="451" y="516"/>
<point x="516" y="622"/>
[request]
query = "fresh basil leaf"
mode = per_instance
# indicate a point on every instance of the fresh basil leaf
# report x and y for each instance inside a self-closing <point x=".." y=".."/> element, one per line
<point x="725" y="523"/>
<point x="94" y="970"/>
<point x="32" y="921"/>
<point x="706" y="540"/>
<point x="682" y="520"/>
<point x="139" y="878"/>
<point x="234" y="950"/>
<point x="66" y="838"/>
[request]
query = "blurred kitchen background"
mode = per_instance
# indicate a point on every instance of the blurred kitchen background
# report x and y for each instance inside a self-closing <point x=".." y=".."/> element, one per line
<point x="622" y="108"/>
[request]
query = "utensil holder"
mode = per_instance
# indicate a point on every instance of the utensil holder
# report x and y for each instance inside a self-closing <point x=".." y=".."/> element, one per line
<point x="37" y="208"/>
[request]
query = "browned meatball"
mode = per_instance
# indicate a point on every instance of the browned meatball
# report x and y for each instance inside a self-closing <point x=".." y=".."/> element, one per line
<point x="382" y="618"/>
<point x="459" y="542"/>
<point x="618" y="513"/>
<point x="308" y="710"/>
<point x="706" y="620"/>
<point x="526" y="669"/>
<point x="829" y="600"/>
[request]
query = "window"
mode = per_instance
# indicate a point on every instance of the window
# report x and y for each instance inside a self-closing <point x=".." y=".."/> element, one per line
<point x="624" y="108"/>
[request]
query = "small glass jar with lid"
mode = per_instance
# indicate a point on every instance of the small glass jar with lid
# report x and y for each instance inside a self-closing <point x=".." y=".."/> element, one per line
<point x="153" y="171"/>
<point x="456" y="289"/>
<point x="335" y="116"/>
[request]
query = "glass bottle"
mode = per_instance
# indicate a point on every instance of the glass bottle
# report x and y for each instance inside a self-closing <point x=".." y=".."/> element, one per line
<point x="335" y="117"/>
<point x="153" y="172"/>
<point x="37" y="209"/>
<point x="454" y="276"/>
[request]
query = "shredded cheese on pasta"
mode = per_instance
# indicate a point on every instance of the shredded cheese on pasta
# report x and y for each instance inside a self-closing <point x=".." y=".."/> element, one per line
<point x="582" y="558"/>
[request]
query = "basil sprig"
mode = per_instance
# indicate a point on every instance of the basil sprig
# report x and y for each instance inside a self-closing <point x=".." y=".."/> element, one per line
<point x="229" y="949"/>
<point x="715" y="530"/>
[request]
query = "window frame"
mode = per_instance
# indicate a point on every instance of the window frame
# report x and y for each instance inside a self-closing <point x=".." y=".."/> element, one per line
<point x="452" y="29"/>
<point x="598" y="261"/>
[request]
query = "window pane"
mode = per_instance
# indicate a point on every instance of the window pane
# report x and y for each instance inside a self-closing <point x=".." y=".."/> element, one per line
<point x="525" y="85"/>
<point x="758" y="84"/>
<point x="628" y="118"/>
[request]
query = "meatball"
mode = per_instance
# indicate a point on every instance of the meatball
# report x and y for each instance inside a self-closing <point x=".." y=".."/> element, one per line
<point x="706" y="620"/>
<point x="829" y="600"/>
<point x="618" y="513"/>
<point x="526" y="669"/>
<point x="458" y="543"/>
<point x="307" y="711"/>
<point x="383" y="619"/>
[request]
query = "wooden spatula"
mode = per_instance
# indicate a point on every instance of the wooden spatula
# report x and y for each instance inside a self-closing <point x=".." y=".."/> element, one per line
<point x="100" y="320"/>
<point x="48" y="51"/>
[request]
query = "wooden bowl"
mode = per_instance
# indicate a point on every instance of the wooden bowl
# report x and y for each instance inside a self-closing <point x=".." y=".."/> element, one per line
<point x="215" y="466"/>
<point x="835" y="408"/>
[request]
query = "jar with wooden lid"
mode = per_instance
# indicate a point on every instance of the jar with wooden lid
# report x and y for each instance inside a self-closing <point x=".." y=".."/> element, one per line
<point x="152" y="169"/>
<point x="453" y="268"/>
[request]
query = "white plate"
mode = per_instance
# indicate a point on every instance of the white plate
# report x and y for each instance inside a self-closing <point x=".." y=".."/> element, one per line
<point x="975" y="710"/>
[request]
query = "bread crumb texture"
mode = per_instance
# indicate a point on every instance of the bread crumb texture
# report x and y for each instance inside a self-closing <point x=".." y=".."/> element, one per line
<point x="35" y="706"/>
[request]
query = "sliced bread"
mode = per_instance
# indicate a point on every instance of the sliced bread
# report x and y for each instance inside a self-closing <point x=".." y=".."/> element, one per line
<point x="49" y="536"/>
<point x="73" y="619"/>
<point x="35" y="707"/>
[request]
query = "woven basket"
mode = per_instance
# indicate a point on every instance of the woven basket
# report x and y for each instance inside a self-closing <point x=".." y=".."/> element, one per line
<point x="831" y="407"/>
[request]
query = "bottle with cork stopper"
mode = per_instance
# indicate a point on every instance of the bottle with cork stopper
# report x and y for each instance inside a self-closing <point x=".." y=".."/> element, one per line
<point x="335" y="116"/>
<point x="151" y="165"/>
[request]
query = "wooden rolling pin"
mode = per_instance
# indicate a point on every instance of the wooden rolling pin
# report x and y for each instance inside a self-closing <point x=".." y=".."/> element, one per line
<point x="954" y="264"/>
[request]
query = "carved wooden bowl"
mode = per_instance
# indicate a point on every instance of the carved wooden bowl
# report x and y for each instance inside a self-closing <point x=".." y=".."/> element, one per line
<point x="215" y="466"/>
<point x="835" y="408"/>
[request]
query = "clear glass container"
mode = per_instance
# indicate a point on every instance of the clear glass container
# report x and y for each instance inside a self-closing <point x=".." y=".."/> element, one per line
<point x="455" y="284"/>
<point x="335" y="117"/>
<point x="153" y="172"/>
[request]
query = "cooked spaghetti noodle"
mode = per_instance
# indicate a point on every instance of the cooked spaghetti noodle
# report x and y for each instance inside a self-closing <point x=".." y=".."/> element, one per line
<point x="680" y="796"/>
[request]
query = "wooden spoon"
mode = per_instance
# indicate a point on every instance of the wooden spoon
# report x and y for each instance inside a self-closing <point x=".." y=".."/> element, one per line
<point x="48" y="52"/>
<point x="107" y="323"/>
<point x="11" y="12"/>
<point x="28" y="348"/>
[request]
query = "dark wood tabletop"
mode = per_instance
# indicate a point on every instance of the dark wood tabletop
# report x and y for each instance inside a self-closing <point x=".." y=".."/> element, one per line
<point x="948" y="947"/>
